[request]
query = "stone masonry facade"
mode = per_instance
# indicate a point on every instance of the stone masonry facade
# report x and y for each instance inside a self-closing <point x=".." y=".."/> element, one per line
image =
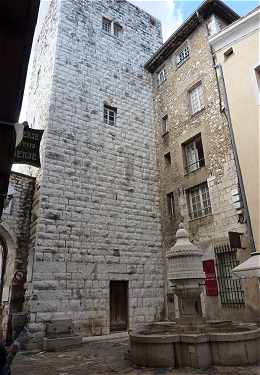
<point x="172" y="101"/>
<point x="96" y="215"/>
<point x="15" y="236"/>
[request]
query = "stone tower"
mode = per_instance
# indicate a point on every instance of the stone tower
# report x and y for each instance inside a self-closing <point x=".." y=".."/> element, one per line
<point x="95" y="236"/>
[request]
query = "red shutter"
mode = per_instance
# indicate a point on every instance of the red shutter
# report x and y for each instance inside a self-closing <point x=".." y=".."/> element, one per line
<point x="211" y="280"/>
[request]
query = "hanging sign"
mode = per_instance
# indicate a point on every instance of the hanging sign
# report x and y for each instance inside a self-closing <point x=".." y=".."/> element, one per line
<point x="211" y="280"/>
<point x="28" y="151"/>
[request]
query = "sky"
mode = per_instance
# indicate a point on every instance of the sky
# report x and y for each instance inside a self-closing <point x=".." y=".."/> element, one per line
<point x="172" y="13"/>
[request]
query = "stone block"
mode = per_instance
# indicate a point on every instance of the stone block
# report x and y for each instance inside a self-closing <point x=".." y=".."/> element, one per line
<point x="61" y="343"/>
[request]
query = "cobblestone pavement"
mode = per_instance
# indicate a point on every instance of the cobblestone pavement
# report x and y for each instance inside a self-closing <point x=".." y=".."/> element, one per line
<point x="103" y="358"/>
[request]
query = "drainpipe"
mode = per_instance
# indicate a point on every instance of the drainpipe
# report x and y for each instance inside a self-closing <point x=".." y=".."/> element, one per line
<point x="226" y="111"/>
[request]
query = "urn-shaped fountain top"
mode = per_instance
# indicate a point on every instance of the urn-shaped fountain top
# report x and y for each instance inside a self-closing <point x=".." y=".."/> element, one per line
<point x="184" y="259"/>
<point x="183" y="245"/>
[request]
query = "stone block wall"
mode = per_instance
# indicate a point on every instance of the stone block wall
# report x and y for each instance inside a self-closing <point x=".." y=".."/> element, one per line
<point x="172" y="98"/>
<point x="15" y="234"/>
<point x="97" y="214"/>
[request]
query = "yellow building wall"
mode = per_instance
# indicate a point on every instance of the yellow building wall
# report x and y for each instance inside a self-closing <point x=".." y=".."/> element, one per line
<point x="244" y="102"/>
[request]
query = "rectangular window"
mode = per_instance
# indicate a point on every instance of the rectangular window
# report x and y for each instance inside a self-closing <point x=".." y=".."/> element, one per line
<point x="183" y="54"/>
<point x="106" y="25"/>
<point x="110" y="115"/>
<point x="194" y="154"/>
<point x="199" y="201"/>
<point x="161" y="77"/>
<point x="197" y="99"/>
<point x="117" y="30"/>
<point x="171" y="205"/>
<point x="167" y="159"/>
<point x="231" y="292"/>
<point x="165" y="128"/>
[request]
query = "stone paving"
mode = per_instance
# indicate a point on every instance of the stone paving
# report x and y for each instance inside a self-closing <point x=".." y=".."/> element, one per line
<point x="103" y="358"/>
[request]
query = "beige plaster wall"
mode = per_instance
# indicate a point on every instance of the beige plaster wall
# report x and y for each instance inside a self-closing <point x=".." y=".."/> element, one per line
<point x="244" y="101"/>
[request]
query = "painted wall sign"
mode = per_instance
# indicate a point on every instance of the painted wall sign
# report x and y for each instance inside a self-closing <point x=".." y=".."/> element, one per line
<point x="211" y="279"/>
<point x="28" y="151"/>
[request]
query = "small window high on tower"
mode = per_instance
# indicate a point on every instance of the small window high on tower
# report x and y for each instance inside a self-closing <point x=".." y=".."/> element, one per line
<point x="110" y="115"/>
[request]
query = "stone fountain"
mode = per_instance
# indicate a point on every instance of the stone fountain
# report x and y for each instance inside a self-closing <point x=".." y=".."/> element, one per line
<point x="185" y="274"/>
<point x="191" y="340"/>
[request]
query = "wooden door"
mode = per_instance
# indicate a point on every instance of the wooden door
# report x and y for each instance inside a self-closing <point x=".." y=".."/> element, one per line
<point x="118" y="306"/>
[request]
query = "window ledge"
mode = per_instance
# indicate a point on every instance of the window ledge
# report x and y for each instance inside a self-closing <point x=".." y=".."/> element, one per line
<point x="201" y="218"/>
<point x="198" y="112"/>
<point x="112" y="36"/>
<point x="187" y="174"/>
<point x="183" y="62"/>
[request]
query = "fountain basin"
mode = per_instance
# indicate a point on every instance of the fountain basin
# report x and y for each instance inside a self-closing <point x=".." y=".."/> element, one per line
<point x="198" y="346"/>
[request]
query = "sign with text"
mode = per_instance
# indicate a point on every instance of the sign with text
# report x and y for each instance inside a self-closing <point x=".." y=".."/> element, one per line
<point x="28" y="151"/>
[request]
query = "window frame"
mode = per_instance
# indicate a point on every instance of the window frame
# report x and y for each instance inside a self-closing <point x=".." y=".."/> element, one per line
<point x="165" y="124"/>
<point x="167" y="160"/>
<point x="106" y="115"/>
<point x="160" y="72"/>
<point x="171" y="205"/>
<point x="199" y="162"/>
<point x="200" y="97"/>
<point x="199" y="201"/>
<point x="180" y="61"/>
<point x="230" y="289"/>
<point x="107" y="21"/>
<point x="117" y="30"/>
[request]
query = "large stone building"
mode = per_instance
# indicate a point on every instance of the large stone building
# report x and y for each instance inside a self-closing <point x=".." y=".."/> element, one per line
<point x="198" y="174"/>
<point x="130" y="149"/>
<point x="96" y="257"/>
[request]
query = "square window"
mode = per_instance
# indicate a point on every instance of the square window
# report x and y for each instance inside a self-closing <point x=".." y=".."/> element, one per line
<point x="183" y="54"/>
<point x="110" y="115"/>
<point x="199" y="201"/>
<point x="106" y="25"/>
<point x="197" y="99"/>
<point x="165" y="125"/>
<point x="161" y="77"/>
<point x="171" y="205"/>
<point x="193" y="154"/>
<point x="117" y="30"/>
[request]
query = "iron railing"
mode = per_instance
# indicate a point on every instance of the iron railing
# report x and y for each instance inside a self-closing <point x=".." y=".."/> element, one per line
<point x="231" y="292"/>
<point x="194" y="166"/>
